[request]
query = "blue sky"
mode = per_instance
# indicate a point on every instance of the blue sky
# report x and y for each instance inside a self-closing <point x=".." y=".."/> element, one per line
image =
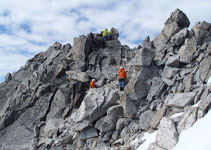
<point x="28" y="27"/>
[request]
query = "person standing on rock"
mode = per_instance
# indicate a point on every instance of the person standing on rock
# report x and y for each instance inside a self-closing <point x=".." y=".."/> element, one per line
<point x="122" y="75"/>
<point x="106" y="35"/>
<point x="92" y="84"/>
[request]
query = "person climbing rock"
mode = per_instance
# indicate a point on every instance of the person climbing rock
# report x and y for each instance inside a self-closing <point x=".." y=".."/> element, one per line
<point x="92" y="84"/>
<point x="106" y="35"/>
<point x="122" y="75"/>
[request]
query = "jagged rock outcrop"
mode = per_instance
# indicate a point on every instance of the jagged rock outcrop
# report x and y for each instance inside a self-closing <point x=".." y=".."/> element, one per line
<point x="47" y="103"/>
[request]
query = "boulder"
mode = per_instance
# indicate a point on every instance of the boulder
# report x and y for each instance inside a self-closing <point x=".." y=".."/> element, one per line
<point x="188" y="119"/>
<point x="96" y="103"/>
<point x="114" y="34"/>
<point x="177" y="21"/>
<point x="169" y="72"/>
<point x="143" y="57"/>
<point x="173" y="61"/>
<point x="171" y="28"/>
<point x="204" y="105"/>
<point x="129" y="106"/>
<point x="160" y="41"/>
<point x="78" y="76"/>
<point x="180" y="99"/>
<point x="108" y="122"/>
<point x="147" y="43"/>
<point x="88" y="132"/>
<point x="204" y="69"/>
<point x="121" y="123"/>
<point x="186" y="52"/>
<point x="145" y="119"/>
<point x="180" y="17"/>
<point x="201" y="30"/>
<point x="179" y="38"/>
<point x="167" y="135"/>
<point x="158" y="116"/>
<point x="8" y="77"/>
<point x="57" y="45"/>
<point x="59" y="103"/>
<point x="154" y="146"/>
<point x="82" y="47"/>
<point x="155" y="89"/>
<point x="113" y="52"/>
<point x="140" y="83"/>
<point x="52" y="127"/>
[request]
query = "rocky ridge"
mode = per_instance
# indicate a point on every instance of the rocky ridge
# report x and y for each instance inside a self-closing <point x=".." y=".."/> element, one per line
<point x="47" y="105"/>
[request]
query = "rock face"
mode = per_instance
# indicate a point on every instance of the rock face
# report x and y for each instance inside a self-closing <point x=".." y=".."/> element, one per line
<point x="47" y="104"/>
<point x="180" y="99"/>
<point x="143" y="57"/>
<point x="167" y="135"/>
<point x="177" y="21"/>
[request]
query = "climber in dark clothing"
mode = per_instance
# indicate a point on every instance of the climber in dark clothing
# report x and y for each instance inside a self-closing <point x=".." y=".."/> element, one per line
<point x="122" y="75"/>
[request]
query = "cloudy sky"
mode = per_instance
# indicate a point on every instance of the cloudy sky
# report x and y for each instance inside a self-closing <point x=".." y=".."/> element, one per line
<point x="28" y="27"/>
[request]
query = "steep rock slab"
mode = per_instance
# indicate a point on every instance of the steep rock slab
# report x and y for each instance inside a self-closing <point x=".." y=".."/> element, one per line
<point x="140" y="83"/>
<point x="156" y="88"/>
<point x="186" y="52"/>
<point x="96" y="103"/>
<point x="158" y="116"/>
<point x="188" y="119"/>
<point x="204" y="105"/>
<point x="167" y="135"/>
<point x="60" y="102"/>
<point x="143" y="57"/>
<point x="145" y="119"/>
<point x="16" y="136"/>
<point x="82" y="47"/>
<point x="160" y="41"/>
<point x="114" y="51"/>
<point x="24" y="126"/>
<point x="137" y="88"/>
<point x="180" y="99"/>
<point x="130" y="108"/>
<point x="204" y="69"/>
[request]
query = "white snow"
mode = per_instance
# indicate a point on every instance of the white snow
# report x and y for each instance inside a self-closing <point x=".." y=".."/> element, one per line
<point x="177" y="115"/>
<point x="150" y="138"/>
<point x="209" y="81"/>
<point x="197" y="137"/>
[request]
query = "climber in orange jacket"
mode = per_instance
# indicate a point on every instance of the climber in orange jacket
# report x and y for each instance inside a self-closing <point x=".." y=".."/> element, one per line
<point x="122" y="75"/>
<point x="92" y="84"/>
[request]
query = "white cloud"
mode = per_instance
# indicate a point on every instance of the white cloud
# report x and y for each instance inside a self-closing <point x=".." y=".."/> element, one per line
<point x="62" y="20"/>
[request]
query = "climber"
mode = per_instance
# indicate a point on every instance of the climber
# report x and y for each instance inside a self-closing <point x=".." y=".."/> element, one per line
<point x="122" y="76"/>
<point x="92" y="84"/>
<point x="106" y="35"/>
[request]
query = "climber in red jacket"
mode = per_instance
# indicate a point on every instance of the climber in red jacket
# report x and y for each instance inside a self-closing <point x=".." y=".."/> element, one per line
<point x="122" y="75"/>
<point x="92" y="84"/>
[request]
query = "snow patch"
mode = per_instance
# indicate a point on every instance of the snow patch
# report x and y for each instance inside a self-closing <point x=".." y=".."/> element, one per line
<point x="150" y="138"/>
<point x="177" y="115"/>
<point x="197" y="137"/>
